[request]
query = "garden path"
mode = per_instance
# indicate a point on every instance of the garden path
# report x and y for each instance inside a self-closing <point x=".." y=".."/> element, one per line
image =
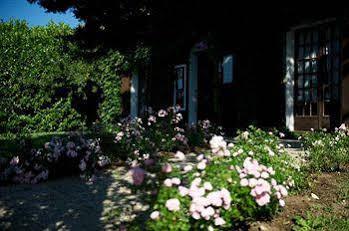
<point x="72" y="204"/>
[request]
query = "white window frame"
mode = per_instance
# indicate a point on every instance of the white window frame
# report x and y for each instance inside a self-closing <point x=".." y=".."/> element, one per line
<point x="183" y="108"/>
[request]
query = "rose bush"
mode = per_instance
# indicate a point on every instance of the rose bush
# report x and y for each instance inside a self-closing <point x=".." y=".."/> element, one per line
<point x="229" y="185"/>
<point x="141" y="138"/>
<point x="59" y="157"/>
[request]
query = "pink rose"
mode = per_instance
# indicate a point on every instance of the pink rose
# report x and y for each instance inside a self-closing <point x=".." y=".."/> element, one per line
<point x="173" y="204"/>
<point x="188" y="168"/>
<point x="282" y="203"/>
<point x="244" y="182"/>
<point x="201" y="165"/>
<point x="219" y="221"/>
<point x="176" y="181"/>
<point x="167" y="168"/>
<point x="263" y="199"/>
<point x="155" y="215"/>
<point x="168" y="183"/>
<point x="183" y="191"/>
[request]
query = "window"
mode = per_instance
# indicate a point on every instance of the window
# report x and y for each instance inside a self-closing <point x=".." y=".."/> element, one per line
<point x="317" y="70"/>
<point x="228" y="69"/>
<point x="180" y="86"/>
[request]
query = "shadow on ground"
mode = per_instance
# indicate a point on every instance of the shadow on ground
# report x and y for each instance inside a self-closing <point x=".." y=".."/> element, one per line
<point x="71" y="204"/>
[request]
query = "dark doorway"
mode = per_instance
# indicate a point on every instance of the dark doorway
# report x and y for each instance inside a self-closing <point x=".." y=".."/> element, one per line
<point x="206" y="87"/>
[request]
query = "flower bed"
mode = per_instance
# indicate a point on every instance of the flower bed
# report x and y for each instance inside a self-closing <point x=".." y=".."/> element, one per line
<point x="61" y="156"/>
<point x="230" y="184"/>
<point x="141" y="139"/>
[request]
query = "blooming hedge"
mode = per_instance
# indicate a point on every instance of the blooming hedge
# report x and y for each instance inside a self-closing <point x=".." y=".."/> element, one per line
<point x="59" y="157"/>
<point x="229" y="185"/>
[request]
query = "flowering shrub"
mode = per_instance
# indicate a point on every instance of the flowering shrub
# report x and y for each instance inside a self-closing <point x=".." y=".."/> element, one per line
<point x="200" y="134"/>
<point x="141" y="138"/>
<point x="327" y="151"/>
<point x="75" y="154"/>
<point x="230" y="184"/>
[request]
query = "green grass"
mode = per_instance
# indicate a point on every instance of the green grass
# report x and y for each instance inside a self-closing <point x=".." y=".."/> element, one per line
<point x="313" y="222"/>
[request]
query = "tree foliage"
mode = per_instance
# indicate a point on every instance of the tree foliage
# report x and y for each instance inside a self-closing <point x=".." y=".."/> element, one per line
<point x="125" y="23"/>
<point x="47" y="86"/>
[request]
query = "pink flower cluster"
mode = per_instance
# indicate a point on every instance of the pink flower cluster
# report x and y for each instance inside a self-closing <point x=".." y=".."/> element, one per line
<point x="205" y="203"/>
<point x="172" y="181"/>
<point x="219" y="146"/>
<point x="151" y="120"/>
<point x="257" y="177"/>
<point x="75" y="154"/>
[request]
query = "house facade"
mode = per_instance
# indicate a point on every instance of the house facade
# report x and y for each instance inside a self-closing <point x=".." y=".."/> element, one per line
<point x="293" y="77"/>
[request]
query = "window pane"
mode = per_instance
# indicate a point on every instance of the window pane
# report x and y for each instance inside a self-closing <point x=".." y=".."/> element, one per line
<point x="300" y="52"/>
<point x="314" y="80"/>
<point x="314" y="95"/>
<point x="314" y="65"/>
<point x="307" y="67"/>
<point x="300" y="81"/>
<point x="300" y="67"/>
<point x="307" y="52"/>
<point x="314" y="110"/>
<point x="228" y="68"/>
<point x="307" y="80"/>
<point x="307" y="109"/>
<point x="300" y="95"/>
<point x="306" y="95"/>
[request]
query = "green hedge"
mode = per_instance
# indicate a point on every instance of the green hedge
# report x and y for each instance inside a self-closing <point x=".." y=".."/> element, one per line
<point x="47" y="86"/>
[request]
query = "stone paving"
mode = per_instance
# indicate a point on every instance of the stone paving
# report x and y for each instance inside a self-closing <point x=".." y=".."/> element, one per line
<point x="72" y="204"/>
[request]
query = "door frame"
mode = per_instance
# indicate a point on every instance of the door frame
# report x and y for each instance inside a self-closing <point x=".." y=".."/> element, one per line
<point x="289" y="80"/>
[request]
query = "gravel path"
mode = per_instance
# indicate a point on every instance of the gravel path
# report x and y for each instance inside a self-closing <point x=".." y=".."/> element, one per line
<point x="72" y="204"/>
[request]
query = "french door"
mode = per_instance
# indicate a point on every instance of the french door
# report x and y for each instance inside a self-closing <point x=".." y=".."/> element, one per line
<point x="317" y="77"/>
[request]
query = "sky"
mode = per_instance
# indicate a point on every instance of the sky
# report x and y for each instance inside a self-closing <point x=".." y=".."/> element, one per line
<point x="32" y="13"/>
